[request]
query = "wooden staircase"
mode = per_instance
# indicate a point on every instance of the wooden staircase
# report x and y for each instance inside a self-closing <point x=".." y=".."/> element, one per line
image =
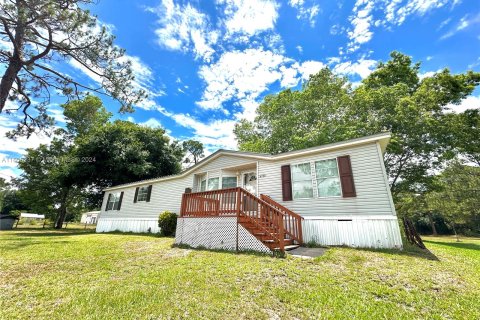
<point x="267" y="235"/>
<point x="277" y="227"/>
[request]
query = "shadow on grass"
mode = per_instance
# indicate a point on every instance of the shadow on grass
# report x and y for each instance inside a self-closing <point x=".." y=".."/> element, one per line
<point x="19" y="245"/>
<point x="236" y="253"/>
<point x="459" y="245"/>
<point x="408" y="250"/>
<point x="49" y="232"/>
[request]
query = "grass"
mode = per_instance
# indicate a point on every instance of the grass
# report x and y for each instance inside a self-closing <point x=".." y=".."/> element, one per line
<point x="46" y="274"/>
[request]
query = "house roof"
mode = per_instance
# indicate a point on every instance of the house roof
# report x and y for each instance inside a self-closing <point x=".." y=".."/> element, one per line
<point x="381" y="138"/>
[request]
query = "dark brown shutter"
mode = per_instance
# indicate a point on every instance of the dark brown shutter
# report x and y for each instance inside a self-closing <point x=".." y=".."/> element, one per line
<point x="286" y="183"/>
<point x="120" y="201"/>
<point x="149" y="193"/>
<point x="346" y="177"/>
<point x="108" y="200"/>
<point x="136" y="195"/>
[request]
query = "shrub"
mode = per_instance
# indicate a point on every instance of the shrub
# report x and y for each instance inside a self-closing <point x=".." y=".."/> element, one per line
<point x="167" y="221"/>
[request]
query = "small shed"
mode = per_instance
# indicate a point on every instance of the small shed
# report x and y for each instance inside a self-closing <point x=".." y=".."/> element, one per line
<point x="90" y="217"/>
<point x="7" y="221"/>
<point x="32" y="216"/>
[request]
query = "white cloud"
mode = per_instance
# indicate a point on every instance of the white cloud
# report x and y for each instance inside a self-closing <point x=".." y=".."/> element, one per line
<point x="184" y="28"/>
<point x="249" y="17"/>
<point x="18" y="146"/>
<point x="471" y="102"/>
<point x="428" y="74"/>
<point x="239" y="75"/>
<point x="305" y="12"/>
<point x="464" y="23"/>
<point x="398" y="10"/>
<point x="243" y="76"/>
<point x="362" y="67"/>
<point x="213" y="134"/>
<point x="7" y="174"/>
<point x="308" y="68"/>
<point x="361" y="21"/>
<point x="444" y="23"/>
<point x="152" y="123"/>
<point x="391" y="13"/>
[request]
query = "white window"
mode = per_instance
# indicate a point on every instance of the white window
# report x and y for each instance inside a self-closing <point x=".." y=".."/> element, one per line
<point x="142" y="193"/>
<point x="213" y="184"/>
<point x="113" y="201"/>
<point x="302" y="181"/>
<point x="328" y="181"/>
<point x="229" y="182"/>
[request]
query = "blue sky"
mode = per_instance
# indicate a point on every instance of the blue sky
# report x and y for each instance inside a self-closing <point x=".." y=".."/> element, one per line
<point x="207" y="64"/>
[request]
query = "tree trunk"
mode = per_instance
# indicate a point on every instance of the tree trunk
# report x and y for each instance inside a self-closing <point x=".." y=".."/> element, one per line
<point x="62" y="211"/>
<point x="455" y="231"/>
<point x="15" y="64"/>
<point x="432" y="224"/>
<point x="7" y="81"/>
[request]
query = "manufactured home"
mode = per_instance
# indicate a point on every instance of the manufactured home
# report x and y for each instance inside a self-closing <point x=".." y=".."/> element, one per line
<point x="334" y="194"/>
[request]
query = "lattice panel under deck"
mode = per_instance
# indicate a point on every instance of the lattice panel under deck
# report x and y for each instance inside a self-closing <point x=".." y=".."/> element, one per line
<point x="216" y="233"/>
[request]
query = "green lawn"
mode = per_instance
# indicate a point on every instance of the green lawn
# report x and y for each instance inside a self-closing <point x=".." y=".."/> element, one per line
<point x="76" y="274"/>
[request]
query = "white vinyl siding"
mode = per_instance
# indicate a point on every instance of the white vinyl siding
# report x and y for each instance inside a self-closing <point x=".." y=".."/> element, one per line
<point x="166" y="195"/>
<point x="370" y="184"/>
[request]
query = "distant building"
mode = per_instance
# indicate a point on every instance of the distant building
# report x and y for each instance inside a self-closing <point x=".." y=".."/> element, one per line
<point x="90" y="217"/>
<point x="32" y="216"/>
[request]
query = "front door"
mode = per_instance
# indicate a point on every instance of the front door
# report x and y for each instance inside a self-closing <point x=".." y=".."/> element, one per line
<point x="250" y="182"/>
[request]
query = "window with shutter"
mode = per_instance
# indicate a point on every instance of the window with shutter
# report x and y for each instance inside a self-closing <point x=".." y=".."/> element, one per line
<point x="302" y="181"/>
<point x="114" y="201"/>
<point x="142" y="193"/>
<point x="328" y="181"/>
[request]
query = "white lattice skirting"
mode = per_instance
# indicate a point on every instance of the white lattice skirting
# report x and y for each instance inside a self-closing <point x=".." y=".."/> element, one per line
<point x="362" y="233"/>
<point x="128" y="225"/>
<point x="216" y="233"/>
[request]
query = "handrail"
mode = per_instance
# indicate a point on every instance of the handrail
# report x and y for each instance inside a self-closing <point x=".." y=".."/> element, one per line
<point x="292" y="219"/>
<point x="265" y="214"/>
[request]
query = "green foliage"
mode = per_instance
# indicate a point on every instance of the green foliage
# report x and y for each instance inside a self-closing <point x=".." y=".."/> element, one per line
<point x="67" y="177"/>
<point x="42" y="31"/>
<point x="12" y="202"/>
<point x="15" y="213"/>
<point x="194" y="149"/>
<point x="392" y="98"/>
<point x="123" y="152"/>
<point x="456" y="196"/>
<point x="82" y="116"/>
<point x="167" y="221"/>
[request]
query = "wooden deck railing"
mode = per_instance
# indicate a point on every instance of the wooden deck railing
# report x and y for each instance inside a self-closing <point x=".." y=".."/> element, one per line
<point x="292" y="220"/>
<point x="265" y="214"/>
